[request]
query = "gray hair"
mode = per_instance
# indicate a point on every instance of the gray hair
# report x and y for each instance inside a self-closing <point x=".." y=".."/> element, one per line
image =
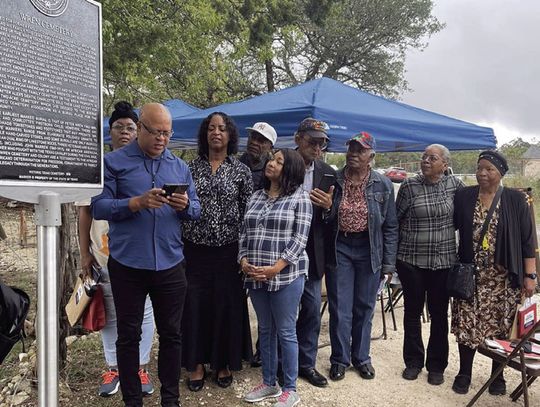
<point x="445" y="152"/>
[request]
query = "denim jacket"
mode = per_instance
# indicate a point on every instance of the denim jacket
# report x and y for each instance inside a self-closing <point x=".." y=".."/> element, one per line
<point x="382" y="222"/>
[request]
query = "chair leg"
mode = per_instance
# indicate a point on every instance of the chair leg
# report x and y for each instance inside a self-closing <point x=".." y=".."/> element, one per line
<point x="519" y="389"/>
<point x="325" y="304"/>
<point x="385" y="336"/>
<point x="393" y="315"/>
<point x="524" y="378"/>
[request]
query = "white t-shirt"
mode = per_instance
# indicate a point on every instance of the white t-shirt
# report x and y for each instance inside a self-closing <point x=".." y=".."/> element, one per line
<point x="99" y="239"/>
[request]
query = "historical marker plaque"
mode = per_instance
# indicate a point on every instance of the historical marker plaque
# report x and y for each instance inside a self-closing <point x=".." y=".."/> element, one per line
<point x="50" y="93"/>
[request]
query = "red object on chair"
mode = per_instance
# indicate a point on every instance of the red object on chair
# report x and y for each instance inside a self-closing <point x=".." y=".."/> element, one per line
<point x="526" y="318"/>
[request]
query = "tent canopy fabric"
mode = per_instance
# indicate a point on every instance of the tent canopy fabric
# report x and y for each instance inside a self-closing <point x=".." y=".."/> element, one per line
<point x="177" y="107"/>
<point x="347" y="110"/>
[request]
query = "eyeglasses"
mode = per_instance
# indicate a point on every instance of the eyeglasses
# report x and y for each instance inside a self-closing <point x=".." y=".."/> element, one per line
<point x="430" y="158"/>
<point x="156" y="133"/>
<point x="316" y="142"/>
<point x="129" y="128"/>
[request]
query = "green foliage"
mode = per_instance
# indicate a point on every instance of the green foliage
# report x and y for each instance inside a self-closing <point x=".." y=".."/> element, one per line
<point x="362" y="42"/>
<point x="208" y="52"/>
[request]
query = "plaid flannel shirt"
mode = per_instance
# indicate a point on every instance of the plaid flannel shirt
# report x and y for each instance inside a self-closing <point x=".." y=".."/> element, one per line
<point x="276" y="228"/>
<point x="427" y="237"/>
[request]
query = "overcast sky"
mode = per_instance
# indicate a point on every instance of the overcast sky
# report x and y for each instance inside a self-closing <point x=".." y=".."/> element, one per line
<point x="483" y="67"/>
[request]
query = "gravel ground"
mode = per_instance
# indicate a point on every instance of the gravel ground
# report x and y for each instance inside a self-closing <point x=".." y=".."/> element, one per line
<point x="387" y="389"/>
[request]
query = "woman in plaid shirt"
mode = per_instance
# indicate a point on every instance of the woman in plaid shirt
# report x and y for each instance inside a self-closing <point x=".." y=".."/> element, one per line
<point x="273" y="258"/>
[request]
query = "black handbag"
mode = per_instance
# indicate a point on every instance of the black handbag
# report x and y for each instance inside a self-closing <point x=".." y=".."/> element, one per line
<point x="461" y="282"/>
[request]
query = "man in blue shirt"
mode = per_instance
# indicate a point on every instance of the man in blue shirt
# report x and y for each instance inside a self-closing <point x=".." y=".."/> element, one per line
<point x="145" y="247"/>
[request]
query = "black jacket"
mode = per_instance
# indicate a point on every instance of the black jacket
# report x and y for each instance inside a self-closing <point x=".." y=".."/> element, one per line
<point x="515" y="230"/>
<point x="316" y="247"/>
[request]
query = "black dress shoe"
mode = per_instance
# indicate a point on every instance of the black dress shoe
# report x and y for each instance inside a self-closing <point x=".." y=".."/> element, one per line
<point x="435" y="378"/>
<point x="312" y="376"/>
<point x="337" y="372"/>
<point x="224" y="382"/>
<point x="196" y="385"/>
<point x="366" y="371"/>
<point x="461" y="384"/>
<point x="411" y="373"/>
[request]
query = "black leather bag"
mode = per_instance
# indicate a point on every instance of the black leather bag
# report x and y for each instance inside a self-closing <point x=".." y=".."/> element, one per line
<point x="461" y="281"/>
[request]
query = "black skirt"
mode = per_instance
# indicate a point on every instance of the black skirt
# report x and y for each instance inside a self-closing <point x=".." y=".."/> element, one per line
<point x="215" y="324"/>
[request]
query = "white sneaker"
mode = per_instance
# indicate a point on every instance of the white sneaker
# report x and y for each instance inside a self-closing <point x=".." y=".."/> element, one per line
<point x="261" y="392"/>
<point x="288" y="399"/>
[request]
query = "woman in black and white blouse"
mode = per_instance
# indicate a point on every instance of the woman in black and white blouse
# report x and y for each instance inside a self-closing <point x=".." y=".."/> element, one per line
<point x="216" y="323"/>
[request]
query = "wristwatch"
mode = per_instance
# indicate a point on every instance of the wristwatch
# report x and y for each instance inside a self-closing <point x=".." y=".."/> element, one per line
<point x="532" y="276"/>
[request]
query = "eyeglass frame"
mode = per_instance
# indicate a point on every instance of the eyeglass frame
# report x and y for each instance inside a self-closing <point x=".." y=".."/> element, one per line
<point x="129" y="127"/>
<point x="312" y="141"/>
<point x="161" y="133"/>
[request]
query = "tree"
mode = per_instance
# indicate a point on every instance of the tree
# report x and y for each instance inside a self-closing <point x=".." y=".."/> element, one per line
<point x="213" y="51"/>
<point x="513" y="151"/>
<point x="158" y="49"/>
<point x="361" y="42"/>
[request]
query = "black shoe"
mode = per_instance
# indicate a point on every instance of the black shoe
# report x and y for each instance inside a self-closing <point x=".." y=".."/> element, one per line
<point x="461" y="384"/>
<point x="312" y="376"/>
<point x="337" y="372"/>
<point x="411" y="373"/>
<point x="435" y="378"/>
<point x="497" y="387"/>
<point x="196" y="385"/>
<point x="224" y="382"/>
<point x="366" y="371"/>
<point x="256" y="360"/>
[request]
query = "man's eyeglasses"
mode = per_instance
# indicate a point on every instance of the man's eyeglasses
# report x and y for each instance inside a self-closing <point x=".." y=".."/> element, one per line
<point x="156" y="133"/>
<point x="316" y="142"/>
<point x="119" y="127"/>
<point x="430" y="158"/>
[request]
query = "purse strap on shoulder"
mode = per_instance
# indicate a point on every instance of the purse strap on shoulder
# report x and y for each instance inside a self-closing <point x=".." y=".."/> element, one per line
<point x="489" y="215"/>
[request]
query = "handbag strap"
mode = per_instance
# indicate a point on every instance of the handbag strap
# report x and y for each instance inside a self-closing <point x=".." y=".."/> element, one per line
<point x="489" y="215"/>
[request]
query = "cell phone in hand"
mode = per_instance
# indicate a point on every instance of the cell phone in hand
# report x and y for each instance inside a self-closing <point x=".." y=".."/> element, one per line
<point x="327" y="181"/>
<point x="174" y="189"/>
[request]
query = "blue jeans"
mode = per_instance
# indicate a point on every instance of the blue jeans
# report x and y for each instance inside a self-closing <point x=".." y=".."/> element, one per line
<point x="352" y="294"/>
<point x="276" y="315"/>
<point x="109" y="332"/>
<point x="308" y="325"/>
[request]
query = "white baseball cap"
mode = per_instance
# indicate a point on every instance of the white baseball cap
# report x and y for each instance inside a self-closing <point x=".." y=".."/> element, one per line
<point x="265" y="130"/>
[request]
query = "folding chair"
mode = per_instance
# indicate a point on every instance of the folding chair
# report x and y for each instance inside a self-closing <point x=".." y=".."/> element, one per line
<point x="529" y="371"/>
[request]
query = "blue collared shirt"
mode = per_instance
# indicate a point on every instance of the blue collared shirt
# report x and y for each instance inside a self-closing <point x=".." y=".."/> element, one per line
<point x="149" y="239"/>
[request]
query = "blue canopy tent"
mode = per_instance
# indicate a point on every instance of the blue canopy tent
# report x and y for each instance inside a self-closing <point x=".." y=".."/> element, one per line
<point x="347" y="110"/>
<point x="177" y="107"/>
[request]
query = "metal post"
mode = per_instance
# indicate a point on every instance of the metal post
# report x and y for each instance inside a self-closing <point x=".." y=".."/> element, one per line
<point x="48" y="219"/>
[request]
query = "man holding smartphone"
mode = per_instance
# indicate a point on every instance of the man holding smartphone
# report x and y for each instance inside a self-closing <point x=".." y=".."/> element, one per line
<point x="146" y="250"/>
<point x="94" y="255"/>
<point x="311" y="139"/>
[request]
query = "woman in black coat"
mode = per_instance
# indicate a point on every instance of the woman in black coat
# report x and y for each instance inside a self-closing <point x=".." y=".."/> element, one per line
<point x="504" y="259"/>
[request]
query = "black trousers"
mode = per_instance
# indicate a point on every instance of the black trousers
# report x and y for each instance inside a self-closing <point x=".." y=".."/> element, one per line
<point x="167" y="290"/>
<point x="419" y="284"/>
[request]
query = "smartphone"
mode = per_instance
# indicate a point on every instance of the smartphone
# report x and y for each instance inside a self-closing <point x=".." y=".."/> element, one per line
<point x="174" y="188"/>
<point x="326" y="182"/>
